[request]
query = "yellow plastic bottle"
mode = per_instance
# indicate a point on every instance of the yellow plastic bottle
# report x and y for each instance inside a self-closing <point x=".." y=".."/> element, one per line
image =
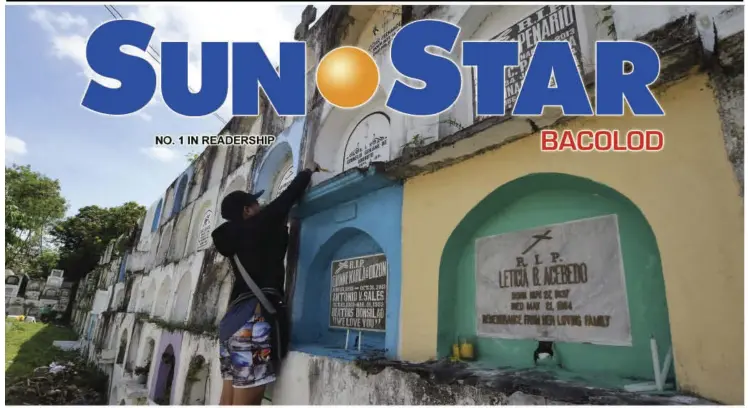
<point x="455" y="352"/>
<point x="466" y="351"/>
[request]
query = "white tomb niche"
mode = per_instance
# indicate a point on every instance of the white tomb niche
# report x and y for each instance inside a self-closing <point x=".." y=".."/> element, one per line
<point x="368" y="142"/>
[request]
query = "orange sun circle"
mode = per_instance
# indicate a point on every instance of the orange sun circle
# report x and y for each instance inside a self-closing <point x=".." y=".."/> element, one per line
<point x="347" y="77"/>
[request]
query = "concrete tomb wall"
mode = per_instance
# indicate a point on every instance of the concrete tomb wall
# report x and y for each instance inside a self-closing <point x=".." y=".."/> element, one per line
<point x="400" y="239"/>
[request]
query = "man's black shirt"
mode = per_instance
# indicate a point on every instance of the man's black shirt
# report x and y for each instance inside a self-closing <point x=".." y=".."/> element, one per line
<point x="261" y="241"/>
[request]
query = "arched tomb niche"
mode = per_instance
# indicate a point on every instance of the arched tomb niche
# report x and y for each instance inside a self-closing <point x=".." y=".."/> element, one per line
<point x="180" y="309"/>
<point x="146" y="303"/>
<point x="165" y="377"/>
<point x="162" y="298"/>
<point x="167" y="366"/>
<point x="197" y="181"/>
<point x="91" y="326"/>
<point x="218" y="168"/>
<point x="132" y="353"/>
<point x="180" y="234"/>
<point x="50" y="293"/>
<point x="122" y="349"/>
<point x="350" y="138"/>
<point x="180" y="194"/>
<point x="167" y="232"/>
<point x="318" y="327"/>
<point x="157" y="216"/>
<point x="110" y="335"/>
<point x="601" y="317"/>
<point x="119" y="297"/>
<point x="123" y="268"/>
<point x="168" y="202"/>
<point x="146" y="357"/>
<point x="279" y="164"/>
<point x="196" y="381"/>
<point x="146" y="232"/>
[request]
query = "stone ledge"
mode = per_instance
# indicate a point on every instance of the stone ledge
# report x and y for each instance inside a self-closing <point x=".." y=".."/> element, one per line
<point x="348" y="185"/>
<point x="518" y="387"/>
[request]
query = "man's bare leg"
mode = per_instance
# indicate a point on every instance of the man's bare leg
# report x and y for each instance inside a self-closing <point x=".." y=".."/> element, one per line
<point x="227" y="393"/>
<point x="249" y="396"/>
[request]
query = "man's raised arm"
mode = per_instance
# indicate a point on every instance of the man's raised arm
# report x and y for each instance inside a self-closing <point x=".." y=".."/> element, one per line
<point x="281" y="206"/>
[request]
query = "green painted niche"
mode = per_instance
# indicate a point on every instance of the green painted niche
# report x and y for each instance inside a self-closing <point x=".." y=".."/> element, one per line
<point x="551" y="198"/>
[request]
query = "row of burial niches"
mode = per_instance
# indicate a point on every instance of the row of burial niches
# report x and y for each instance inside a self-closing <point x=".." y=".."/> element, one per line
<point x="573" y="290"/>
<point x="24" y="296"/>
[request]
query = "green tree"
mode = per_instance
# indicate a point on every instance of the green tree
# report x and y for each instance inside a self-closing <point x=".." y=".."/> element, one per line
<point x="33" y="204"/>
<point x="44" y="262"/>
<point x="83" y="238"/>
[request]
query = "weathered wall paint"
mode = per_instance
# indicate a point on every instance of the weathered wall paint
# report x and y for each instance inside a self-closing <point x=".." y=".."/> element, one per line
<point x="690" y="176"/>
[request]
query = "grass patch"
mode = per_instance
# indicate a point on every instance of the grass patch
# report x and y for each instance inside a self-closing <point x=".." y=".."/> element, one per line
<point x="29" y="345"/>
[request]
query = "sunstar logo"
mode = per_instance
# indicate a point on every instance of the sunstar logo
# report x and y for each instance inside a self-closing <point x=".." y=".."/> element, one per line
<point x="348" y="77"/>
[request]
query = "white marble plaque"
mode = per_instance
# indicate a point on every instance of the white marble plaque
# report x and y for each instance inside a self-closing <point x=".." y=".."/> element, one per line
<point x="562" y="282"/>
<point x="548" y="23"/>
<point x="206" y="227"/>
<point x="369" y="142"/>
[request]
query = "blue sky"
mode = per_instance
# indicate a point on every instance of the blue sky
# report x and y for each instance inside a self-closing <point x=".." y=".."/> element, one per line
<point x="105" y="160"/>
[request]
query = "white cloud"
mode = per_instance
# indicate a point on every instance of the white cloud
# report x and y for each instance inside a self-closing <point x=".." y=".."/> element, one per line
<point x="68" y="37"/>
<point x="268" y="24"/>
<point x="160" y="153"/>
<point x="146" y="117"/>
<point x="14" y="146"/>
<point x="51" y="21"/>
